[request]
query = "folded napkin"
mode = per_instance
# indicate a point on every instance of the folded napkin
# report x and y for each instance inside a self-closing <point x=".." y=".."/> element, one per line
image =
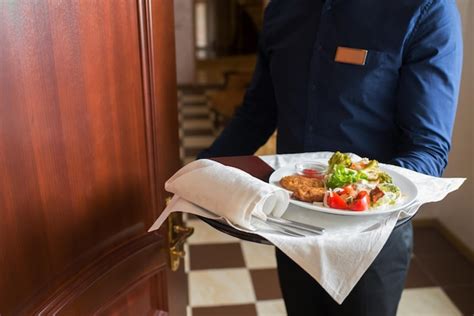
<point x="229" y="192"/>
<point x="337" y="259"/>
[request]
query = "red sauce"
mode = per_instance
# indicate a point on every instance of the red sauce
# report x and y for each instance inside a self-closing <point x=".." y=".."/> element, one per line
<point x="312" y="173"/>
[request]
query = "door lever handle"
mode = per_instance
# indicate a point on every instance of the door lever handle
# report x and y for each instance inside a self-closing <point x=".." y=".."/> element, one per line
<point x="178" y="233"/>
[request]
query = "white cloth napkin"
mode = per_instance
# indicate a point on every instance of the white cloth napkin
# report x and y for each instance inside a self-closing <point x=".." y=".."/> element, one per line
<point x="339" y="258"/>
<point x="229" y="192"/>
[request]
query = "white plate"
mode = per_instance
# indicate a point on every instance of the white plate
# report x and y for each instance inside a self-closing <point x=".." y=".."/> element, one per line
<point x="408" y="189"/>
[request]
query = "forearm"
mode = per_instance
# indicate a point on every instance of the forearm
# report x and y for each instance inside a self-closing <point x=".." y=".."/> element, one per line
<point x="422" y="160"/>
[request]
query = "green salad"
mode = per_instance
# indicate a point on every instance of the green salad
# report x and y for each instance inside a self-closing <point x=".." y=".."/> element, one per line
<point x="358" y="186"/>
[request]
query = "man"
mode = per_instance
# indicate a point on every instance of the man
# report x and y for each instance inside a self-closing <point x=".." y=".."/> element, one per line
<point x="372" y="77"/>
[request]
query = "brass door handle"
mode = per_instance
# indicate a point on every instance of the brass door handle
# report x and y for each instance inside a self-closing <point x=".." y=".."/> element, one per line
<point x="178" y="233"/>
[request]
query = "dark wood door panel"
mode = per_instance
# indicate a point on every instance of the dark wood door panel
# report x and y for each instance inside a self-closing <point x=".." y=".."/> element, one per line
<point x="117" y="282"/>
<point x="88" y="133"/>
<point x="160" y="89"/>
<point x="135" y="302"/>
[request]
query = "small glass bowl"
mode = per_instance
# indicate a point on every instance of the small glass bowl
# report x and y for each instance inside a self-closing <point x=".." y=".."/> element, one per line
<point x="311" y="169"/>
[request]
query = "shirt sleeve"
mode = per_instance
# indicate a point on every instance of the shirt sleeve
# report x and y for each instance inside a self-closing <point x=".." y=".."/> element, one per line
<point x="254" y="121"/>
<point x="428" y="89"/>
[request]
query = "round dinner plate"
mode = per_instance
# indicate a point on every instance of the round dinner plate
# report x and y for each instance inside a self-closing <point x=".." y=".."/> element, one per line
<point x="407" y="187"/>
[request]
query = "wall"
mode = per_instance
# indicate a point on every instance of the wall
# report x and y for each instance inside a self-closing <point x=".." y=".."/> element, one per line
<point x="457" y="211"/>
<point x="184" y="32"/>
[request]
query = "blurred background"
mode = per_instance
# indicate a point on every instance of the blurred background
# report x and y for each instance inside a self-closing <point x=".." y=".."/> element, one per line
<point x="216" y="44"/>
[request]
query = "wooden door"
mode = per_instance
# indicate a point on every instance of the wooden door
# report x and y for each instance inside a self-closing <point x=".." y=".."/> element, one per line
<point x="88" y="135"/>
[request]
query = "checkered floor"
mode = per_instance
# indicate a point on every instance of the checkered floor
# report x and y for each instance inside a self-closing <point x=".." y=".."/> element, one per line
<point x="228" y="277"/>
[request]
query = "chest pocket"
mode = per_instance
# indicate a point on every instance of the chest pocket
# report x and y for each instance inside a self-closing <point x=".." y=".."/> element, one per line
<point x="366" y="85"/>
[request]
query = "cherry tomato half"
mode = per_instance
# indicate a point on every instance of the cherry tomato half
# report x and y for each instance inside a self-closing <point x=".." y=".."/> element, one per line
<point x="334" y="200"/>
<point x="361" y="203"/>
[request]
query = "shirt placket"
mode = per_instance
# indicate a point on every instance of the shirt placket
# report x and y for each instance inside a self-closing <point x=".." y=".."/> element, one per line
<point x="316" y="74"/>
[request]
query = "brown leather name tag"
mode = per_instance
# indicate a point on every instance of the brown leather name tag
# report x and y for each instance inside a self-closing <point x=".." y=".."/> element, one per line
<point x="352" y="56"/>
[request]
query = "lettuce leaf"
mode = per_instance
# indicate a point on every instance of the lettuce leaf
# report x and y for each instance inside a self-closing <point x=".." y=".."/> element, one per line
<point x="342" y="176"/>
<point x="338" y="159"/>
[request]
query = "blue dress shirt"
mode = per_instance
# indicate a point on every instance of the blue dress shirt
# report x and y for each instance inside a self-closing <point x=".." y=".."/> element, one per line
<point x="398" y="108"/>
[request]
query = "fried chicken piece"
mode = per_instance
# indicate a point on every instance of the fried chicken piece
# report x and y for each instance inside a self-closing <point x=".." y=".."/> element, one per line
<point x="304" y="188"/>
<point x="295" y="182"/>
<point x="309" y="194"/>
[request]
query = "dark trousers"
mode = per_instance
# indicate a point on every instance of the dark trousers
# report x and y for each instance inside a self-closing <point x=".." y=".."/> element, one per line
<point x="377" y="292"/>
